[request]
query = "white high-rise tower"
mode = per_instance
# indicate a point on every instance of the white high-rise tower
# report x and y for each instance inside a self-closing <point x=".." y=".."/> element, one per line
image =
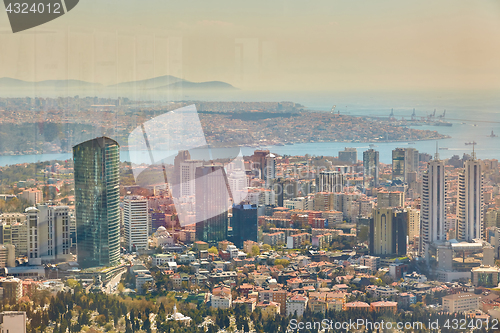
<point x="270" y="169"/>
<point x="331" y="181"/>
<point x="48" y="234"/>
<point x="136" y="222"/>
<point x="432" y="212"/>
<point x="187" y="177"/>
<point x="470" y="202"/>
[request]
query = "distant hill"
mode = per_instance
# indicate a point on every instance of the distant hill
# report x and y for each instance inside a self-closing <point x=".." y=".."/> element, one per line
<point x="10" y="83"/>
<point x="188" y="85"/>
<point x="148" y="83"/>
<point x="162" y="83"/>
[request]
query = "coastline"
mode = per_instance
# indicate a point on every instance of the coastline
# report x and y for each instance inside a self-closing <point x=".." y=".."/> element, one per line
<point x="264" y="144"/>
<point x="385" y="148"/>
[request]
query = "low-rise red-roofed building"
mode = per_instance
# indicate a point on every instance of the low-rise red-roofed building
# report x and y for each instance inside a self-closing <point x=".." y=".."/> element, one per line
<point x="384" y="306"/>
<point x="357" y="306"/>
<point x="245" y="289"/>
<point x="29" y="287"/>
<point x="275" y="295"/>
<point x="249" y="303"/>
<point x="221" y="298"/>
<point x="296" y="305"/>
<point x="269" y="309"/>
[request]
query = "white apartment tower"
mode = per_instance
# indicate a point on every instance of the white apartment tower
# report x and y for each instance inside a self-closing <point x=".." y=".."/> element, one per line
<point x="187" y="185"/>
<point x="20" y="238"/>
<point x="13" y="322"/>
<point x="238" y="183"/>
<point x="331" y="181"/>
<point x="18" y="235"/>
<point x="33" y="196"/>
<point x="370" y="168"/>
<point x="135" y="222"/>
<point x="413" y="223"/>
<point x="470" y="202"/>
<point x="432" y="212"/>
<point x="48" y="234"/>
<point x="270" y="169"/>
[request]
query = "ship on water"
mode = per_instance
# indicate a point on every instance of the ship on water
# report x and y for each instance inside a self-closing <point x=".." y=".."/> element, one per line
<point x="442" y="123"/>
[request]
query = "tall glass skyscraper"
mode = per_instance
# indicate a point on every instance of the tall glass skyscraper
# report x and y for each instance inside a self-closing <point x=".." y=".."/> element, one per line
<point x="244" y="223"/>
<point x="399" y="164"/>
<point x="212" y="204"/>
<point x="404" y="160"/>
<point x="97" y="200"/>
<point x="370" y="168"/>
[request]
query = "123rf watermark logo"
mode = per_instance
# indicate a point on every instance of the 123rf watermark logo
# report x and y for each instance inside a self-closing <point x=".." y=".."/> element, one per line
<point x="328" y="325"/>
<point x="27" y="14"/>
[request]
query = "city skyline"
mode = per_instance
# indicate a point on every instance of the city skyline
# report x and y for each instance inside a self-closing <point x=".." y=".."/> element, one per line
<point x="405" y="226"/>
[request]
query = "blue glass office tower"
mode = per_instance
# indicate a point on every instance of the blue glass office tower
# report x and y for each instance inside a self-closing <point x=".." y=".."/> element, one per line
<point x="244" y="223"/>
<point x="97" y="200"/>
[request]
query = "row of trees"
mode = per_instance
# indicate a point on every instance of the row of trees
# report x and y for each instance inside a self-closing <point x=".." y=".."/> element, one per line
<point x="14" y="205"/>
<point x="72" y="312"/>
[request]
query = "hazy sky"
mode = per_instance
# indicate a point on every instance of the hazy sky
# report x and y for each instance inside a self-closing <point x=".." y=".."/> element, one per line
<point x="266" y="45"/>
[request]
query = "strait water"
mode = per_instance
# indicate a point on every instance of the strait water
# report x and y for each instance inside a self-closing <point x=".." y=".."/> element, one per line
<point x="474" y="116"/>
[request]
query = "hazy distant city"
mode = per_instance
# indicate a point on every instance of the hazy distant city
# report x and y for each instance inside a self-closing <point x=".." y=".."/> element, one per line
<point x="46" y="125"/>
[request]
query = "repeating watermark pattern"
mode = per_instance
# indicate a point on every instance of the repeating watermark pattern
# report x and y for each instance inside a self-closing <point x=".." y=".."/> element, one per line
<point x="27" y="14"/>
<point x="171" y="150"/>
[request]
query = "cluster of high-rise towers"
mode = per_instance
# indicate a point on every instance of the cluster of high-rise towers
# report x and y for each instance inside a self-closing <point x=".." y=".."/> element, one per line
<point x="434" y="229"/>
<point x="470" y="205"/>
<point x="97" y="202"/>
